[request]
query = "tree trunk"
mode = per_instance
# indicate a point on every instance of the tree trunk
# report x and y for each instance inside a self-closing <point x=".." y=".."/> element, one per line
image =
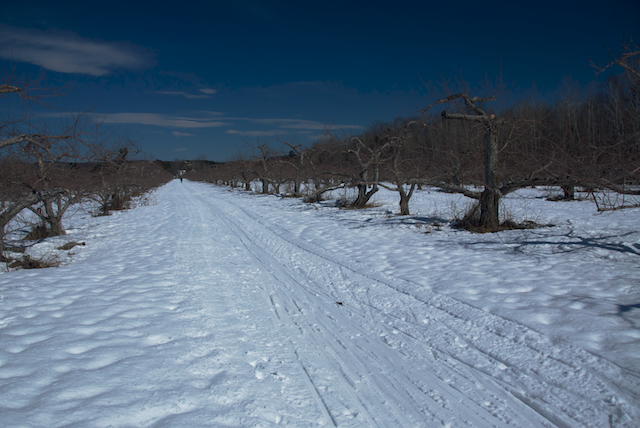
<point x="404" y="204"/>
<point x="296" y="186"/>
<point x="489" y="214"/>
<point x="54" y="218"/>
<point x="404" y="198"/>
<point x="490" y="198"/>
<point x="364" y="195"/>
<point x="569" y="193"/>
<point x="16" y="207"/>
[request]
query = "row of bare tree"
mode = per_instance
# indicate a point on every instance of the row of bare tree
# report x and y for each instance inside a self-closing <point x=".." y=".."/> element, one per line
<point x="591" y="142"/>
<point x="47" y="166"/>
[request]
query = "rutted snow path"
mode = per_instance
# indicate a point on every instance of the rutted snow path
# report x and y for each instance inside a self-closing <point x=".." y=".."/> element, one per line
<point x="196" y="312"/>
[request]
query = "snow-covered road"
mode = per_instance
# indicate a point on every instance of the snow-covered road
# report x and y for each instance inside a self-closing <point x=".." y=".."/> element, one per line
<point x="201" y="311"/>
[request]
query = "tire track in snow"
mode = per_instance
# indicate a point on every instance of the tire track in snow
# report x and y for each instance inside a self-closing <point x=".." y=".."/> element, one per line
<point x="256" y="376"/>
<point x="282" y="305"/>
<point x="482" y="370"/>
<point x="381" y="408"/>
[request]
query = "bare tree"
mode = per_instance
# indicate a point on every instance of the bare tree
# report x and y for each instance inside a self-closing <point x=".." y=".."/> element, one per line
<point x="368" y="154"/>
<point x="298" y="160"/>
<point x="20" y="139"/>
<point x="47" y="154"/>
<point x="624" y="113"/>
<point x="114" y="179"/>
<point x="489" y="198"/>
<point x="263" y="173"/>
<point x="402" y="166"/>
<point x="326" y="170"/>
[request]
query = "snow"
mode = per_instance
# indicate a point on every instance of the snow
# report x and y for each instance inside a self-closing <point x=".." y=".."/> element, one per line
<point x="220" y="308"/>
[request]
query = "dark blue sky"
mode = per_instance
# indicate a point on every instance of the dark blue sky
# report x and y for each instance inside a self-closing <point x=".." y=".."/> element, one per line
<point x="216" y="77"/>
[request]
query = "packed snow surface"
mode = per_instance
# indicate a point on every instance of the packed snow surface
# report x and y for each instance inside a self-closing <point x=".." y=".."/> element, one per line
<point x="213" y="307"/>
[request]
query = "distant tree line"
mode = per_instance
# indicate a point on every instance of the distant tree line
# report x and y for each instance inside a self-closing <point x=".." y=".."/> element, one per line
<point x="470" y="147"/>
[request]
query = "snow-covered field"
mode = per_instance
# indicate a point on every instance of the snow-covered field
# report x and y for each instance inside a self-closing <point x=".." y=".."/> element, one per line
<point x="218" y="308"/>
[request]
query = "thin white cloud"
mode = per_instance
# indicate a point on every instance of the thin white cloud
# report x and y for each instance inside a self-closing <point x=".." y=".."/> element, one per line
<point x="182" y="93"/>
<point x="182" y="134"/>
<point x="303" y="124"/>
<point x="208" y="91"/>
<point x="271" y="133"/>
<point x="67" y="52"/>
<point x="159" y="120"/>
<point x="285" y="127"/>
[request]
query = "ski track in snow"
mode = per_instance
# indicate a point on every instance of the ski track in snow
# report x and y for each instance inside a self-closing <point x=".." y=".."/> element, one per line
<point x="199" y="312"/>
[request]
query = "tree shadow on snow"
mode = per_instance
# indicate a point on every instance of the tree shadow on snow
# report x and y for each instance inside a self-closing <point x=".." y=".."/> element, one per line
<point x="575" y="243"/>
<point x="626" y="308"/>
<point x="562" y="243"/>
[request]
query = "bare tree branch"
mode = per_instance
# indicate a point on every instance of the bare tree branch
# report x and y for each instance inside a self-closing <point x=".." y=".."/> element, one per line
<point x="630" y="51"/>
<point x="7" y="89"/>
